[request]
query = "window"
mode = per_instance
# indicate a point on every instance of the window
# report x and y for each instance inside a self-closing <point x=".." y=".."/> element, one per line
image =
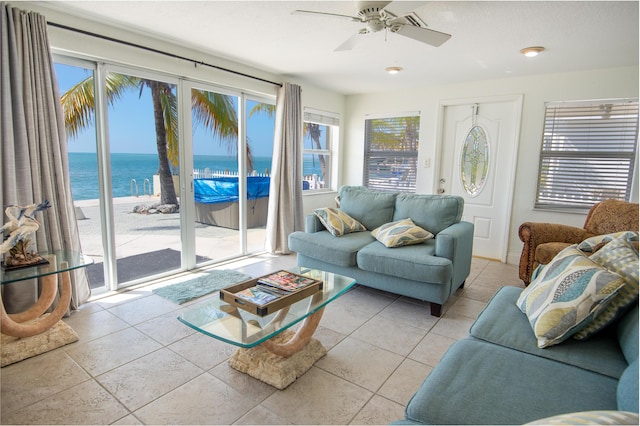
<point x="391" y="153"/>
<point x="588" y="153"/>
<point x="320" y="130"/>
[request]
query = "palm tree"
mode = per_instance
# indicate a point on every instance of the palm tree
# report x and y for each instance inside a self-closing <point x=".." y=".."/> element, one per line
<point x="215" y="111"/>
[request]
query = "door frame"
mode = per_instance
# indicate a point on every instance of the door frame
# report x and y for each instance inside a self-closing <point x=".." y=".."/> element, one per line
<point x="517" y="100"/>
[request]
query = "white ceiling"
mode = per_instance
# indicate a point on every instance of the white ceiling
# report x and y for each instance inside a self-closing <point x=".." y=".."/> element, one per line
<point x="486" y="38"/>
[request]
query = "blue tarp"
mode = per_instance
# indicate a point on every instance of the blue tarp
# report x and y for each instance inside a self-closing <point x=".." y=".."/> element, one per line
<point x="225" y="189"/>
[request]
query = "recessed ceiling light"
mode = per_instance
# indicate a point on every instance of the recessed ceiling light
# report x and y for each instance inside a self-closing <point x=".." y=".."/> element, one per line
<point x="393" y="70"/>
<point x="530" y="52"/>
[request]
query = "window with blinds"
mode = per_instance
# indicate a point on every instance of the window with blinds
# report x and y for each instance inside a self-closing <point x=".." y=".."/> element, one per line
<point x="391" y="153"/>
<point x="588" y="153"/>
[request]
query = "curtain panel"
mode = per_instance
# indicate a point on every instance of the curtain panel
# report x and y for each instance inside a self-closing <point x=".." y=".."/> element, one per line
<point x="285" y="201"/>
<point x="33" y="146"/>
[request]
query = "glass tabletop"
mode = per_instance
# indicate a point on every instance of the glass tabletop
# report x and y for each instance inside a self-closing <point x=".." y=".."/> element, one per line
<point x="59" y="261"/>
<point x="222" y="321"/>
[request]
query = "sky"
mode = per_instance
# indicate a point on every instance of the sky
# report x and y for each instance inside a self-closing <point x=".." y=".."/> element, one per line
<point x="132" y="130"/>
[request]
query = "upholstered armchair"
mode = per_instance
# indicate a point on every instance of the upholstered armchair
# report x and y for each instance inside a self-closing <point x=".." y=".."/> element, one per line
<point x="543" y="241"/>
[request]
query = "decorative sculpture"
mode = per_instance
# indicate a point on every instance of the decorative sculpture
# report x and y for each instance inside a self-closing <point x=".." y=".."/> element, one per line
<point x="22" y="224"/>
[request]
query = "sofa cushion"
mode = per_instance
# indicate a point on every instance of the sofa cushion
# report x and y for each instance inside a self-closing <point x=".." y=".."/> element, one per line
<point x="322" y="245"/>
<point x="415" y="262"/>
<point x="401" y="233"/>
<point x="502" y="323"/>
<point x="566" y="295"/>
<point x="371" y="208"/>
<point x="607" y="417"/>
<point x="621" y="257"/>
<point x="628" y="335"/>
<point x="477" y="382"/>
<point x="547" y="251"/>
<point x="627" y="393"/>
<point x="431" y="212"/>
<point x="338" y="222"/>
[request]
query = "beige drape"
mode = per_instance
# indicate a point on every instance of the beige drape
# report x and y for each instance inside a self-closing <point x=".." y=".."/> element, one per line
<point x="285" y="193"/>
<point x="33" y="146"/>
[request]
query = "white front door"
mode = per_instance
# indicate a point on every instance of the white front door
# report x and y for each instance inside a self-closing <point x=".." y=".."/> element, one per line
<point x="478" y="153"/>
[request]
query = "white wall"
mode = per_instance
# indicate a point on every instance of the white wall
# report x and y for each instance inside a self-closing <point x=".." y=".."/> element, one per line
<point x="597" y="84"/>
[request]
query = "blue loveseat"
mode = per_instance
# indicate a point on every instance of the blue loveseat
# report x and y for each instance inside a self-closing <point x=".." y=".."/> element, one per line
<point x="431" y="271"/>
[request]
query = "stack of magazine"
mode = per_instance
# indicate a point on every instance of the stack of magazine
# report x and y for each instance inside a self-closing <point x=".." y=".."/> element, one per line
<point x="274" y="286"/>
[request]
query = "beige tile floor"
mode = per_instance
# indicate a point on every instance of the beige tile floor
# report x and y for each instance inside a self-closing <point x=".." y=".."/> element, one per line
<point x="135" y="363"/>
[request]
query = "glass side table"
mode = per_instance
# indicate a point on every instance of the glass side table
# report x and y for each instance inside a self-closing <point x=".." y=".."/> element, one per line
<point x="32" y="321"/>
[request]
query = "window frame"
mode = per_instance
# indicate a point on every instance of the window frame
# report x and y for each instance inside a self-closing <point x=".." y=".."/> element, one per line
<point x="576" y="134"/>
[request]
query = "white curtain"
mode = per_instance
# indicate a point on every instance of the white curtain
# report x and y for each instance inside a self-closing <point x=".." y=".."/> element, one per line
<point x="34" y="163"/>
<point x="285" y="193"/>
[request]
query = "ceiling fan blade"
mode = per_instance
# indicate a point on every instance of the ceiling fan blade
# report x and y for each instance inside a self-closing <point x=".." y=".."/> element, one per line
<point x="424" y="35"/>
<point x="402" y="8"/>
<point x="350" y="43"/>
<point x="335" y="15"/>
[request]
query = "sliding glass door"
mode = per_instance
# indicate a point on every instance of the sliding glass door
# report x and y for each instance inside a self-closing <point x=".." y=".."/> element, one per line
<point x="166" y="174"/>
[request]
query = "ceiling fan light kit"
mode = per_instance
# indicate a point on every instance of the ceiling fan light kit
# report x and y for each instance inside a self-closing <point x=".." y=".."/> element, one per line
<point x="530" y="52"/>
<point x="395" y="17"/>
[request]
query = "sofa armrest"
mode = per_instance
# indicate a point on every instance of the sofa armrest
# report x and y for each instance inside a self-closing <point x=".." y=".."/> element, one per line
<point x="532" y="234"/>
<point x="312" y="224"/>
<point x="456" y="244"/>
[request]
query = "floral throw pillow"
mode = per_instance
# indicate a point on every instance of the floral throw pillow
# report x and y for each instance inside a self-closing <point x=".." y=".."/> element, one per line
<point x="338" y="222"/>
<point x="566" y="295"/>
<point x="401" y="233"/>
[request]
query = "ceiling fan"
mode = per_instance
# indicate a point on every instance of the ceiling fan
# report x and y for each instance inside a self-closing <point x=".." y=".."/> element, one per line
<point x="395" y="16"/>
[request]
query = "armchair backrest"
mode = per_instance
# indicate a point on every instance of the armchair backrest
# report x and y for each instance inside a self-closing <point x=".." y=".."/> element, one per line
<point x="611" y="216"/>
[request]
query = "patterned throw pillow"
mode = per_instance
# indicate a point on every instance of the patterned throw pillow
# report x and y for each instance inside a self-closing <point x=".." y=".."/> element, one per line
<point x="567" y="294"/>
<point x="590" y="244"/>
<point x="621" y="257"/>
<point x="401" y="233"/>
<point x="610" y="417"/>
<point x="338" y="222"/>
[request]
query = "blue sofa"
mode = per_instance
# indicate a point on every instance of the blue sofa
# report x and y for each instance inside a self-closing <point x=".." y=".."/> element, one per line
<point x="431" y="271"/>
<point x="498" y="375"/>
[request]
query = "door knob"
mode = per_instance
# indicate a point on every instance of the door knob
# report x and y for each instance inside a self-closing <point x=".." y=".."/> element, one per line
<point x="441" y="191"/>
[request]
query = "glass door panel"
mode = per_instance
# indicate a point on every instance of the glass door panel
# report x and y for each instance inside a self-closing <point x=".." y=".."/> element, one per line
<point x="260" y="119"/>
<point x="74" y="81"/>
<point x="144" y="158"/>
<point x="214" y="123"/>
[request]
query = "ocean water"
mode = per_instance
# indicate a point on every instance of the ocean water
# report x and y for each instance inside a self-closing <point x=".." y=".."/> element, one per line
<point x="83" y="168"/>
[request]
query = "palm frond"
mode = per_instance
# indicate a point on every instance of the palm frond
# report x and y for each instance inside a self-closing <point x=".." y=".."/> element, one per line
<point x="268" y="109"/>
<point x="217" y="113"/>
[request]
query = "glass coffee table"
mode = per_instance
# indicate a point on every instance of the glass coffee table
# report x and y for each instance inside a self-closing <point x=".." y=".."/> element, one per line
<point x="269" y="351"/>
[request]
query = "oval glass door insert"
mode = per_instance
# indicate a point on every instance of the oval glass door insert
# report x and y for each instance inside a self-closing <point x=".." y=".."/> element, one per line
<point x="474" y="161"/>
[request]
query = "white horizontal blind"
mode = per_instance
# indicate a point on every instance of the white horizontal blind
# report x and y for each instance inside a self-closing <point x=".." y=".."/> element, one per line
<point x="588" y="153"/>
<point x="391" y="153"/>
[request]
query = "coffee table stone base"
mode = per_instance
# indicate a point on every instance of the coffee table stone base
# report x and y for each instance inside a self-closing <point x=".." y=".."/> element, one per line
<point x="14" y="349"/>
<point x="276" y="370"/>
